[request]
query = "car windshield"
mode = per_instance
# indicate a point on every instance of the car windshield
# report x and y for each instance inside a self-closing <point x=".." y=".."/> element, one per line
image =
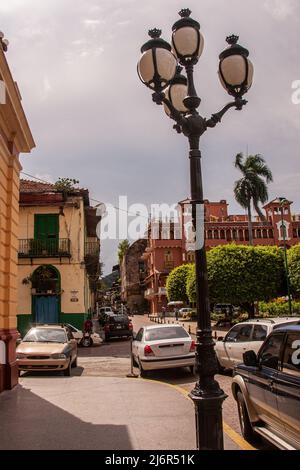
<point x="170" y="332"/>
<point x="45" y="335"/>
<point x="119" y="318"/>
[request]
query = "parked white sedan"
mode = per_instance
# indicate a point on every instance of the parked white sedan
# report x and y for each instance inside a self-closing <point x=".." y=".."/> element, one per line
<point x="247" y="336"/>
<point x="163" y="347"/>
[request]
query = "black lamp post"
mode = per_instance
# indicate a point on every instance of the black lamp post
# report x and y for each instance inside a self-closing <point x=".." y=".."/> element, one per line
<point x="284" y="202"/>
<point x="158" y="69"/>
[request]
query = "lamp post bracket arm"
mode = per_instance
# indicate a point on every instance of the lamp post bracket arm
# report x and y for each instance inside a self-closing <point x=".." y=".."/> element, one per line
<point x="216" y="118"/>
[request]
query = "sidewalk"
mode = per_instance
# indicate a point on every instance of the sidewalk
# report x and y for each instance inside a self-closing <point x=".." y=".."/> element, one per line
<point x="190" y="326"/>
<point x="97" y="413"/>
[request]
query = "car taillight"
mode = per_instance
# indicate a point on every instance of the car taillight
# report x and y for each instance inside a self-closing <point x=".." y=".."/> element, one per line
<point x="130" y="326"/>
<point x="193" y="347"/>
<point x="148" y="351"/>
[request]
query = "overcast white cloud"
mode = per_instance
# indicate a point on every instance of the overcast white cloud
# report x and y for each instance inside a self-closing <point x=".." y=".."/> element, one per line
<point x="75" y="63"/>
<point x="281" y="9"/>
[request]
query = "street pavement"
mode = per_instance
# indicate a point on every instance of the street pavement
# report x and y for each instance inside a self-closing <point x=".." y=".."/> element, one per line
<point x="99" y="408"/>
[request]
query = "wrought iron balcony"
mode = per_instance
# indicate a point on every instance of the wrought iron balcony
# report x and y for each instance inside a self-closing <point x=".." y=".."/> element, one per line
<point x="47" y="248"/>
<point x="92" y="249"/>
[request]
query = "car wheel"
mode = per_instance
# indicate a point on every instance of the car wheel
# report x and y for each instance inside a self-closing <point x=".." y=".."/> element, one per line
<point x="245" y="423"/>
<point x="74" y="363"/>
<point x="67" y="371"/>
<point x="143" y="373"/>
<point x="87" y="342"/>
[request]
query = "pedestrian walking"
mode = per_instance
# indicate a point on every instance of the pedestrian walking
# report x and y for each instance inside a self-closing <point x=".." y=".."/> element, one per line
<point x="88" y="325"/>
<point x="176" y="314"/>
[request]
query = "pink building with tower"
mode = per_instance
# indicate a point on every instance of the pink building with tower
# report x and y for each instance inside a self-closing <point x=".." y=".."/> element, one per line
<point x="169" y="246"/>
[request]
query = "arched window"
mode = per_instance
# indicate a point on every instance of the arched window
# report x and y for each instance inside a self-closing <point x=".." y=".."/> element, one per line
<point x="228" y="235"/>
<point x="271" y="234"/>
<point x="216" y="234"/>
<point x="190" y="257"/>
<point x="241" y="235"/>
<point x="222" y="234"/>
<point x="209" y="234"/>
<point x="168" y="255"/>
<point x="265" y="233"/>
<point x="46" y="280"/>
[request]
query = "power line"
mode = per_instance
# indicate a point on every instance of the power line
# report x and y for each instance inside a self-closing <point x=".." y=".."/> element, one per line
<point x="91" y="199"/>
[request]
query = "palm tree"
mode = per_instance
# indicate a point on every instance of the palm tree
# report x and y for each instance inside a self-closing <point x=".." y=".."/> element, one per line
<point x="252" y="187"/>
<point x="122" y="248"/>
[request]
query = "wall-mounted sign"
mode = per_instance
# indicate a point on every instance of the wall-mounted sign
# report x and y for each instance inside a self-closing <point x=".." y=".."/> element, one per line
<point x="74" y="296"/>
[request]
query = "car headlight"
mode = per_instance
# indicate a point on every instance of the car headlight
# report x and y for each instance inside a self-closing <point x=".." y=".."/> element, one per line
<point x="58" y="356"/>
<point x="20" y="355"/>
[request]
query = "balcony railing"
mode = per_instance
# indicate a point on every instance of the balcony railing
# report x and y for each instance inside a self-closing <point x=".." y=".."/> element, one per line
<point x="92" y="249"/>
<point x="48" y="248"/>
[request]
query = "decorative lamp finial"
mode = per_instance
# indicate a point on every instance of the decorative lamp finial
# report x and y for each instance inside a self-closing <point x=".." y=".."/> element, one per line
<point x="154" y="33"/>
<point x="185" y="13"/>
<point x="233" y="39"/>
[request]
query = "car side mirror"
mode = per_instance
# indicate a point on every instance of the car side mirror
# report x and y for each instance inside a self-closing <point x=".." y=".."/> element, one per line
<point x="221" y="338"/>
<point x="19" y="341"/>
<point x="250" y="359"/>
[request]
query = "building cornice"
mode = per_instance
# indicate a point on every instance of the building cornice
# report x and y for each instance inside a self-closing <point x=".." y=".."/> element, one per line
<point x="13" y="120"/>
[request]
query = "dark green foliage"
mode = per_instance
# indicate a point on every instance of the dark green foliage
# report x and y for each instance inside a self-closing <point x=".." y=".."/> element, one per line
<point x="241" y="275"/>
<point x="294" y="269"/>
<point x="122" y="248"/>
<point x="176" y="283"/>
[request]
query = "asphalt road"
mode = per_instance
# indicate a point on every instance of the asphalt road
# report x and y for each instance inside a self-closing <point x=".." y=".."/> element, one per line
<point x="112" y="359"/>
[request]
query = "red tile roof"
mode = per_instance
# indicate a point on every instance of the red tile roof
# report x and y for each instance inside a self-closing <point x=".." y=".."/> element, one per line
<point x="28" y="186"/>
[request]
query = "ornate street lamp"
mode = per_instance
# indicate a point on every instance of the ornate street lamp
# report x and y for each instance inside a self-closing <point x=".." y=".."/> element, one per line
<point x="157" y="69"/>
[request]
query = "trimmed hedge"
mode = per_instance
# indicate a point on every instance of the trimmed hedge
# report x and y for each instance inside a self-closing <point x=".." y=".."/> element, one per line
<point x="275" y="309"/>
<point x="176" y="283"/>
<point x="294" y="269"/>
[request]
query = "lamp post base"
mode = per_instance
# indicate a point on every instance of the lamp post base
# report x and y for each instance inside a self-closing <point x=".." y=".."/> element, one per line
<point x="209" y="425"/>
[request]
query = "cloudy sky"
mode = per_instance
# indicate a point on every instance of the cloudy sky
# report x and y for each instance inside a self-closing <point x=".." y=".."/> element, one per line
<point x="75" y="63"/>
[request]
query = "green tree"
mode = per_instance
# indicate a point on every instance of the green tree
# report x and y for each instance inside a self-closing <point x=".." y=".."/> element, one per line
<point x="176" y="283"/>
<point x="191" y="285"/>
<point x="294" y="269"/>
<point x="252" y="187"/>
<point x="65" y="184"/>
<point x="242" y="275"/>
<point x="122" y="248"/>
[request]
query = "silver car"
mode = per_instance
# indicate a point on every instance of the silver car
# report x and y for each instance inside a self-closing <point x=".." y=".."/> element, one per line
<point x="163" y="347"/>
<point x="246" y="336"/>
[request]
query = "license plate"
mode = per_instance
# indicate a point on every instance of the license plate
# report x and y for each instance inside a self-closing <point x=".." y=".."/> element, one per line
<point x="119" y="327"/>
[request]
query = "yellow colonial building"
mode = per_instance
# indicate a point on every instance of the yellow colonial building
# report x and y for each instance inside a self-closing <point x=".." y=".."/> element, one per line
<point x="15" y="138"/>
<point x="58" y="254"/>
